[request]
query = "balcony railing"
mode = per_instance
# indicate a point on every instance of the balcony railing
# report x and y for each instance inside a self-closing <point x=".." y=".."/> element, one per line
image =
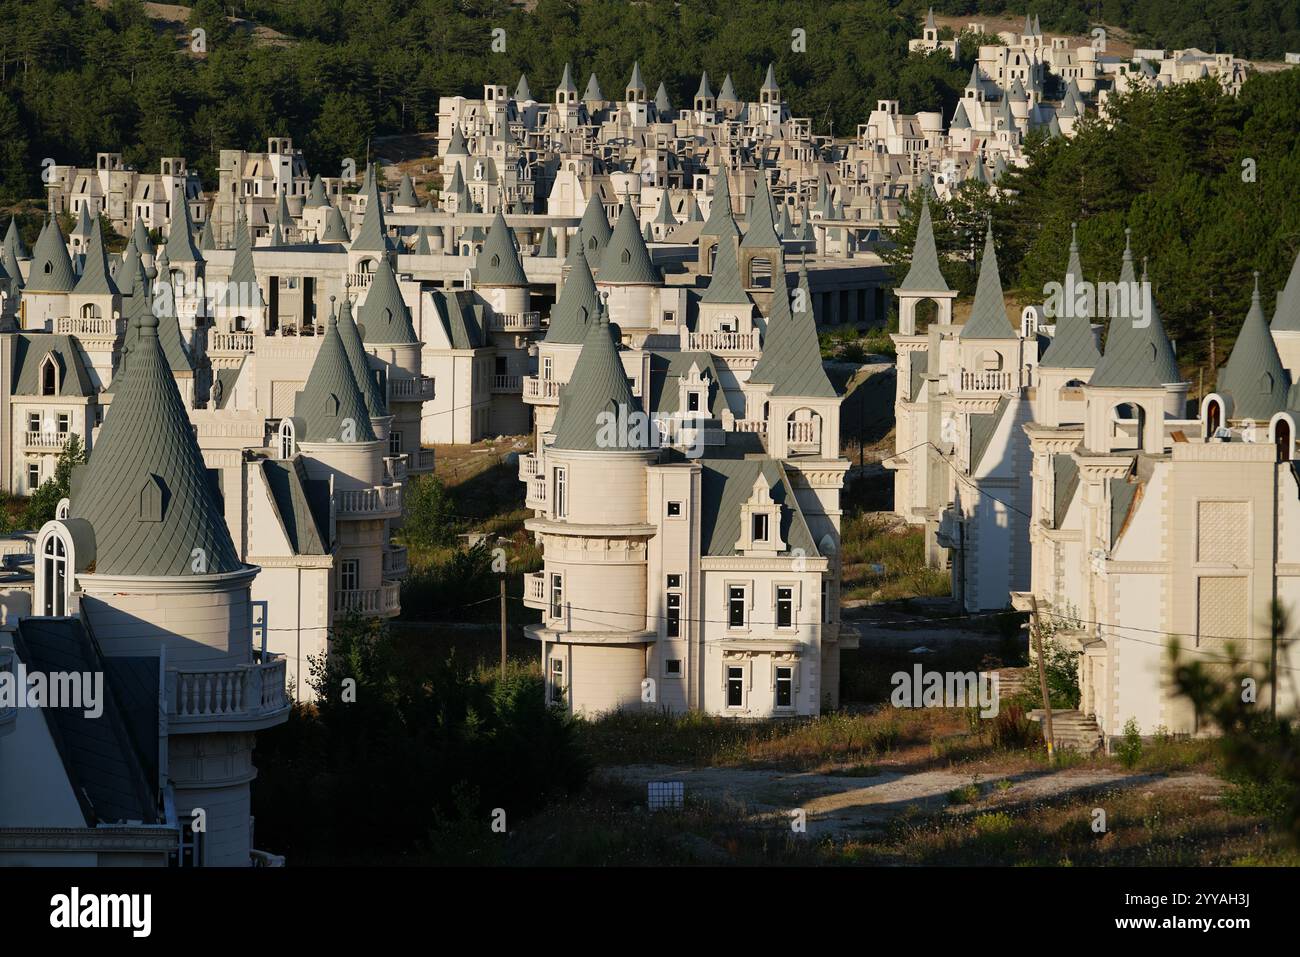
<point x="515" y="321"/>
<point x="723" y="342"/>
<point x="370" y="602"/>
<point x="230" y="342"/>
<point x="535" y="492"/>
<point x="507" y="384"/>
<point x="535" y="590"/>
<point x="419" y="461"/>
<point x="411" y="389"/>
<point x="757" y="426"/>
<point x="395" y="468"/>
<point x="542" y="391"/>
<point x="252" y="693"/>
<point x="529" y="466"/>
<point x="360" y="280"/>
<point x="46" y="440"/>
<point x="79" y="326"/>
<point x="987" y="380"/>
<point x="396" y="563"/>
<point x="376" y="502"/>
<point x="803" y="434"/>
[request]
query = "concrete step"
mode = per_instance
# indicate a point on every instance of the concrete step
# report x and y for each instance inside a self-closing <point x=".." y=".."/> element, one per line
<point x="1072" y="729"/>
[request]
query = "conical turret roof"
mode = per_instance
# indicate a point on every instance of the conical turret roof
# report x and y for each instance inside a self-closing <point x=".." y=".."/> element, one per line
<point x="1254" y="375"/>
<point x="51" y="269"/>
<point x="762" y="229"/>
<point x="365" y="377"/>
<point x="1141" y="357"/>
<point x="242" y="291"/>
<point x="385" y="317"/>
<point x="330" y="405"/>
<point x="725" y="285"/>
<point x="663" y="106"/>
<point x="1287" y="316"/>
<point x="180" y="238"/>
<point x="578" y="303"/>
<point x="626" y="259"/>
<point x="14" y="241"/>
<point x="728" y="92"/>
<point x="95" y="277"/>
<point x="593" y="94"/>
<point x="498" y="263"/>
<point x="1073" y="345"/>
<point x="597" y="389"/>
<point x="373" y="235"/>
<point x="721" y="222"/>
<point x="988" y="317"/>
<point x="522" y="93"/>
<point x="924" y="274"/>
<point x="406" y="192"/>
<point x="317" y="196"/>
<point x="593" y="229"/>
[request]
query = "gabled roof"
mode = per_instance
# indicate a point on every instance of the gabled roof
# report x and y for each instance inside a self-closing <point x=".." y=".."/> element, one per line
<point x="1254" y="375"/>
<point x="924" y="274"/>
<point x="330" y="406"/>
<point x="598" y="385"/>
<point x="301" y="505"/>
<point x="727" y="484"/>
<point x="385" y="317"/>
<point x="30" y="350"/>
<point x="1140" y="357"/>
<point x="366" y="377"/>
<point x="146" y="490"/>
<point x="626" y="259"/>
<point x="988" y="317"/>
<point x="51" y="269"/>
<point x="593" y="229"/>
<point x="1073" y="345"/>
<point x="460" y="320"/>
<point x="1287" y="316"/>
<point x="180" y="238"/>
<point x="498" y="263"/>
<point x="578" y="302"/>
<point x="95" y="278"/>
<point x="666" y="371"/>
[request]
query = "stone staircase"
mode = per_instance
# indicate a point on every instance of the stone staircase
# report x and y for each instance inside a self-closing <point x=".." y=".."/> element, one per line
<point x="1072" y="729"/>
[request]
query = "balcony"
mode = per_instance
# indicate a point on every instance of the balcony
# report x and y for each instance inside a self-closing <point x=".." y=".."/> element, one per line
<point x="723" y="342"/>
<point x="535" y="492"/>
<point x="360" y="280"/>
<point x="410" y="389"/>
<point x="757" y="426"/>
<point x="395" y="562"/>
<point x="507" y="385"/>
<point x="248" y="697"/>
<point x="395" y="468"/>
<point x="986" y="380"/>
<point x="803" y="436"/>
<point x="7" y="715"/>
<point x="420" y="461"/>
<point x="381" y="501"/>
<point x="535" y="591"/>
<point x="529" y="466"/>
<point x="230" y="342"/>
<point x="515" y="322"/>
<point x="46" y="441"/>
<point x="539" y="391"/>
<point x="382" y="602"/>
<point x="79" y="326"/>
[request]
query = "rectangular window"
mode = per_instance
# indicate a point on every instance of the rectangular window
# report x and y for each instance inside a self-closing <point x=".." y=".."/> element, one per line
<point x="557" y="681"/>
<point x="692" y="402"/>
<point x="33" y="476"/>
<point x="784" y="687"/>
<point x="557" y="596"/>
<point x="785" y="607"/>
<point x="826" y="601"/>
<point x="670" y="318"/>
<point x="673" y="667"/>
<point x="64" y="422"/>
<point x="349" y="574"/>
<point x="33" y="421"/>
<point x="760" y="527"/>
<point x="674" y="509"/>
<point x="674" y="581"/>
<point x="736" y="606"/>
<point x="394" y="443"/>
<point x="547" y="366"/>
<point x="735" y="687"/>
<point x="673" y="623"/>
<point x="561" y="494"/>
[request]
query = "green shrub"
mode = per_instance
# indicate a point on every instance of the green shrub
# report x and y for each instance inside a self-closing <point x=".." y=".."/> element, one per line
<point x="1129" y="749"/>
<point x="430" y="512"/>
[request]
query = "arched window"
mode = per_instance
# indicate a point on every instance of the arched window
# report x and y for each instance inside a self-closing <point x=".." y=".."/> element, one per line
<point x="1213" y="417"/>
<point x="90" y="311"/>
<point x="1282" y="440"/>
<point x="49" y="377"/>
<point x="54" y="577"/>
<point x="286" y="439"/>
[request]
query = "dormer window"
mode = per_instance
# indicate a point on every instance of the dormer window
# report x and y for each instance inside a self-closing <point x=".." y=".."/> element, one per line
<point x="759" y="526"/>
<point x="49" y="376"/>
<point x="151" y="499"/>
<point x="54" y="576"/>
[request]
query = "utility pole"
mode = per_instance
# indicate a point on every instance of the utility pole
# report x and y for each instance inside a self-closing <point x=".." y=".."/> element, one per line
<point x="1036" y="628"/>
<point x="503" y="627"/>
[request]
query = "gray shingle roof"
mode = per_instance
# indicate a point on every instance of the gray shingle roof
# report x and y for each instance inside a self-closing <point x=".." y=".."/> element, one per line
<point x="1073" y="345"/>
<point x="138" y="304"/>
<point x="778" y="330"/>
<point x="95" y="277"/>
<point x="51" y="269"/>
<point x="728" y="92"/>
<point x="145" y="490"/>
<point x="635" y="82"/>
<point x="180" y="238"/>
<point x="1287" y="316"/>
<point x="704" y="91"/>
<point x="924" y="274"/>
<point x="141" y="236"/>
<point x="626" y="259"/>
<point x="988" y="317"/>
<point x="300" y="506"/>
<point x="721" y="222"/>
<point x="385" y="317"/>
<point x="666" y="371"/>
<point x="497" y="264"/>
<point x="330" y="405"/>
<point x="578" y="302"/>
<point x="727" y="484"/>
<point x="598" y="385"/>
<point x="1138" y="357"/>
<point x="1122" y="494"/>
<point x="366" y="377"/>
<point x="769" y="81"/>
<point x="566" y="81"/>
<point x="1254" y="375"/>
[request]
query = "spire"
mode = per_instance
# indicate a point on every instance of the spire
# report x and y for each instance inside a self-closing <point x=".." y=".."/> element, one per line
<point x="456" y="146"/>
<point x="83" y="226"/>
<point x="95" y="278"/>
<point x="422" y="242"/>
<point x="769" y="81"/>
<point x="336" y="231"/>
<point x="705" y="91"/>
<point x="577" y="305"/>
<point x="498" y="263"/>
<point x="207" y="242"/>
<point x="146" y="490"/>
<point x="365" y="377"/>
<point x="385" y="317"/>
<point x="546" y="248"/>
<point x="242" y="291"/>
<point x="130" y="271"/>
<point x="522" y="93"/>
<point x="725" y="285"/>
<point x="180" y="238"/>
<point x="14" y="241"/>
<point x="762" y="229"/>
<point x="1073" y="345"/>
<point x="779" y="321"/>
<point x="988" y="316"/>
<point x="662" y="105"/>
<point x="636" y="83"/>
<point x="626" y="259"/>
<point x="1254" y="375"/>
<point x="929" y="19"/>
<point x="664" y="215"/>
<point x="593" y="229"/>
<point x="728" y="92"/>
<point x="317" y="197"/>
<point x="330" y="405"/>
<point x="1287" y="316"/>
<point x="141" y="236"/>
<point x="597" y="389"/>
<point x="373" y="235"/>
<point x="593" y="94"/>
<point x="51" y="269"/>
<point x="924" y="274"/>
<point x="960" y="121"/>
<point x="721" y="222"/>
<point x="566" y="82"/>
<point x="406" y="192"/>
<point x="799" y="370"/>
<point x="1138" y="357"/>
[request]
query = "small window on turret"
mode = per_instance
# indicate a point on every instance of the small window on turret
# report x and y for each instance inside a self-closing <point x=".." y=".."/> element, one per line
<point x="151" y="500"/>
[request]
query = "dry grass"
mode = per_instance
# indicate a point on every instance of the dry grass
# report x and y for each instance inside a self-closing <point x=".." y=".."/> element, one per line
<point x="884" y="560"/>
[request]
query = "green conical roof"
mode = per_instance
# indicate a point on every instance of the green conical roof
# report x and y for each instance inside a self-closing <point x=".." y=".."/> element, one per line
<point x="593" y="93"/>
<point x="180" y="238"/>
<point x="406" y="192"/>
<point x="626" y="259"/>
<point x="779" y="322"/>
<point x="336" y="231"/>
<point x="365" y="377"/>
<point x="242" y="290"/>
<point x="663" y="105"/>
<point x="51" y="269"/>
<point x="598" y="385"/>
<point x="593" y="229"/>
<point x="95" y="278"/>
<point x="578" y="302"/>
<point x="988" y="317"/>
<point x="207" y="242"/>
<point x="146" y="490"/>
<point x="725" y="285"/>
<point x="141" y="236"/>
<point x="721" y="222"/>
<point x="924" y="274"/>
<point x="1141" y="357"/>
<point x="14" y="242"/>
<point x="385" y="317"/>
<point x="762" y="227"/>
<point x="1254" y="375"/>
<point x="317" y="196"/>
<point x="1073" y="345"/>
<point x="498" y="263"/>
<point x="330" y="405"/>
<point x="799" y="370"/>
<point x="1287" y="316"/>
<point x="373" y="234"/>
